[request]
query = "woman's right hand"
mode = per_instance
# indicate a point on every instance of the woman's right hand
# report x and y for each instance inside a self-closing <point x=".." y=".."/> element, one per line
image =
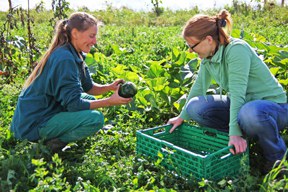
<point x="175" y="121"/>
<point x="115" y="99"/>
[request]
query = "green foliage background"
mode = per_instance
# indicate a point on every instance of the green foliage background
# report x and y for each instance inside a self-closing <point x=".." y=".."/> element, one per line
<point x="149" y="51"/>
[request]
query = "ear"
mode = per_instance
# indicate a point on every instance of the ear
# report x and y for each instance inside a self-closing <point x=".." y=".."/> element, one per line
<point x="210" y="38"/>
<point x="74" y="34"/>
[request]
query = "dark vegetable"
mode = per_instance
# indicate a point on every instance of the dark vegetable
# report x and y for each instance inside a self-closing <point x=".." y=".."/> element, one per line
<point x="127" y="90"/>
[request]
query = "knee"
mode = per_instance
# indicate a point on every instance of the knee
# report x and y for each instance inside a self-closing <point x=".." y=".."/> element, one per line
<point x="250" y="117"/>
<point x="97" y="120"/>
<point x="193" y="108"/>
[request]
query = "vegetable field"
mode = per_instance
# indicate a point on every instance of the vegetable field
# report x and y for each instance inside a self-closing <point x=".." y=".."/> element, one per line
<point x="147" y="49"/>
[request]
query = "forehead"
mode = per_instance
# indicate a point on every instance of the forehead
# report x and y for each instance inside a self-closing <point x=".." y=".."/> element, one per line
<point x="93" y="29"/>
<point x="191" y="39"/>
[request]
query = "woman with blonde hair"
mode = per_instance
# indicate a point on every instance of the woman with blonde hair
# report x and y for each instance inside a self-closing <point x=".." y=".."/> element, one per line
<point x="50" y="106"/>
<point x="255" y="105"/>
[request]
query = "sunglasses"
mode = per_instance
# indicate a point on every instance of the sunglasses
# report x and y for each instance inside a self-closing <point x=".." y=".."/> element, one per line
<point x="193" y="46"/>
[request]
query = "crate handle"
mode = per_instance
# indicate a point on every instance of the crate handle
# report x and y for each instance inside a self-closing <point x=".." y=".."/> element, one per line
<point x="171" y="152"/>
<point x="162" y="129"/>
<point x="224" y="149"/>
<point x="228" y="154"/>
<point x="154" y="130"/>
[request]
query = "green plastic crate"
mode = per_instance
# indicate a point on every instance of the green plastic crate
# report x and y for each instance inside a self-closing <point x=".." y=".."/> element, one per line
<point x="188" y="151"/>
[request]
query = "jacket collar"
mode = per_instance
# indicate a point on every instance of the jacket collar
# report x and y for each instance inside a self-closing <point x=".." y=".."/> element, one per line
<point x="217" y="57"/>
<point x="75" y="53"/>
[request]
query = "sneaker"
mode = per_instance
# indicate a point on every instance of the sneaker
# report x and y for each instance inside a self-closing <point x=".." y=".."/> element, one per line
<point x="55" y="145"/>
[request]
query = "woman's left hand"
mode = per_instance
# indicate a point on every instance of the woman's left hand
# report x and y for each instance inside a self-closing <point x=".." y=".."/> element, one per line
<point x="239" y="144"/>
<point x="113" y="86"/>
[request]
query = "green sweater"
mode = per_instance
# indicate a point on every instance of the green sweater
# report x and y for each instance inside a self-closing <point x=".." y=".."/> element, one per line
<point x="242" y="74"/>
<point x="57" y="89"/>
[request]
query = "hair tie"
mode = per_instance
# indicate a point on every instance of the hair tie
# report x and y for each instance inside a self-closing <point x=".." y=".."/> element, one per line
<point x="65" y="22"/>
<point x="222" y="23"/>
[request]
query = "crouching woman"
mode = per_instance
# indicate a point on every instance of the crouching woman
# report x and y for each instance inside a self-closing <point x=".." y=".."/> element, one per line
<point x="51" y="106"/>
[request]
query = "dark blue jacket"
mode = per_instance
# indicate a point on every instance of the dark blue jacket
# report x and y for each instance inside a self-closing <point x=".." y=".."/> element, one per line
<point x="57" y="89"/>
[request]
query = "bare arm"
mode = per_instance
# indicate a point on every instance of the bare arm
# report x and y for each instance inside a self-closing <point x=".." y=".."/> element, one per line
<point x="114" y="100"/>
<point x="98" y="89"/>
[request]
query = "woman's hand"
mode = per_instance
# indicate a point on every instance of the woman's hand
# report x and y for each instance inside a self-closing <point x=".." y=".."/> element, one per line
<point x="113" y="86"/>
<point x="99" y="89"/>
<point x="239" y="144"/>
<point x="176" y="121"/>
<point x="115" y="99"/>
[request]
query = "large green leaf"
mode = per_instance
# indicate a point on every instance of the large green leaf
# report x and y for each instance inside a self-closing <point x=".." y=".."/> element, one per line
<point x="130" y="76"/>
<point x="274" y="70"/>
<point x="284" y="81"/>
<point x="284" y="61"/>
<point x="175" y="54"/>
<point x="181" y="59"/>
<point x="193" y="64"/>
<point x="89" y="60"/>
<point x="155" y="70"/>
<point x="117" y="50"/>
<point x="180" y="103"/>
<point x="157" y="84"/>
<point x="99" y="57"/>
<point x="119" y="69"/>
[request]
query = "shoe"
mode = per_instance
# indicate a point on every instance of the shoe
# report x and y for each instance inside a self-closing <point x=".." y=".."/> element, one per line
<point x="55" y="145"/>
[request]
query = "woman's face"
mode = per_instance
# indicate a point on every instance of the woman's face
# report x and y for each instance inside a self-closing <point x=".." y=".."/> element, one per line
<point x="84" y="40"/>
<point x="202" y="47"/>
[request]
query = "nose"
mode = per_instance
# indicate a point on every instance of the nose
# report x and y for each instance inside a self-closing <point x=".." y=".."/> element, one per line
<point x="94" y="40"/>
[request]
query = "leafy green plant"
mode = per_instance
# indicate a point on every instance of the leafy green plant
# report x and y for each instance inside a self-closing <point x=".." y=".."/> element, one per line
<point x="276" y="179"/>
<point x="148" y="51"/>
<point x="47" y="180"/>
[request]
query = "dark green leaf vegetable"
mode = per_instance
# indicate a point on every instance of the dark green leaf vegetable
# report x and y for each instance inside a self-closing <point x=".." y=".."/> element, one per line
<point x="127" y="90"/>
